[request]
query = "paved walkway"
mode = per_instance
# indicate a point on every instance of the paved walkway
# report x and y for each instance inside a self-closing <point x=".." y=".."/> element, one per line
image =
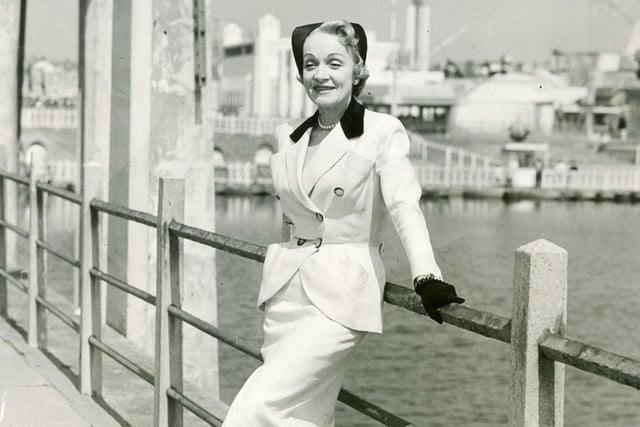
<point x="34" y="393"/>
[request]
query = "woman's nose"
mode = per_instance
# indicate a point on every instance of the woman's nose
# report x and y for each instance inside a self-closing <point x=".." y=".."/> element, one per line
<point x="321" y="74"/>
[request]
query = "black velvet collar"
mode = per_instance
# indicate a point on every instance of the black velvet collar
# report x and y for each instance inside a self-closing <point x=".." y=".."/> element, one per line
<point x="352" y="122"/>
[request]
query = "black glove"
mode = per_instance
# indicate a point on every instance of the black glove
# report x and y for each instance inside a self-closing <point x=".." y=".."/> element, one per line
<point x="434" y="294"/>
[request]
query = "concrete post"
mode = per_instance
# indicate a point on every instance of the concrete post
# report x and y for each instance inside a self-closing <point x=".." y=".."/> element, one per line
<point x="168" y="359"/>
<point x="37" y="322"/>
<point x="536" y="393"/>
<point x="91" y="304"/>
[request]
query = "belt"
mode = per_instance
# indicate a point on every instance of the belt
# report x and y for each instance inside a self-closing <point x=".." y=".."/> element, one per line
<point x="317" y="242"/>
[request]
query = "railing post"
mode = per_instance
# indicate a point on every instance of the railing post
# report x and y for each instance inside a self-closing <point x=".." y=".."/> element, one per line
<point x="3" y="254"/>
<point x="447" y="167"/>
<point x="90" y="301"/>
<point x="536" y="393"/>
<point x="37" y="329"/>
<point x="168" y="360"/>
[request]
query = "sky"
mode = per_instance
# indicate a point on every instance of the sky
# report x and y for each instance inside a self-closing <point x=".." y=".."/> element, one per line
<point x="485" y="29"/>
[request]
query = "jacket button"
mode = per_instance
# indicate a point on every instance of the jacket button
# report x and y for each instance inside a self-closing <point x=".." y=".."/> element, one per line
<point x="338" y="191"/>
<point x="318" y="242"/>
<point x="319" y="217"/>
<point x="301" y="242"/>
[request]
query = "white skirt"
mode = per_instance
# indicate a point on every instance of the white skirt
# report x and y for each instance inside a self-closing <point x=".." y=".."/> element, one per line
<point x="306" y="355"/>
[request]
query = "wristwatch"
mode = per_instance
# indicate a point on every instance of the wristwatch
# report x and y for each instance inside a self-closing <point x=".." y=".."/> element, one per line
<point x="424" y="278"/>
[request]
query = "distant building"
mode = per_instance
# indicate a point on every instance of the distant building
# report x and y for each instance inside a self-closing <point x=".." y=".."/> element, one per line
<point x="515" y="99"/>
<point x="50" y="84"/>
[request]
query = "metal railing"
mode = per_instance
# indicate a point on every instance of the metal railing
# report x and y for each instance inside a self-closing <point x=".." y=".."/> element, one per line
<point x="535" y="332"/>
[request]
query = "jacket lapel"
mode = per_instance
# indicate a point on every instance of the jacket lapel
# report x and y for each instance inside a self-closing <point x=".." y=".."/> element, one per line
<point x="294" y="161"/>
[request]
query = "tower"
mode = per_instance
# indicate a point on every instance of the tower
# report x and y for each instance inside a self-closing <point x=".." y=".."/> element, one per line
<point x="417" y="35"/>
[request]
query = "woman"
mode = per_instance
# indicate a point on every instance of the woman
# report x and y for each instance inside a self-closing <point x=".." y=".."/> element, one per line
<point x="339" y="176"/>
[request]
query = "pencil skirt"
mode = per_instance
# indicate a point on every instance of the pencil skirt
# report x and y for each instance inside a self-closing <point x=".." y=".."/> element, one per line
<point x="305" y="355"/>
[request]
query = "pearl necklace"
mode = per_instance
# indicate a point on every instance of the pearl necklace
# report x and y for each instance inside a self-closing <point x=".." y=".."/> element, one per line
<point x="326" y="127"/>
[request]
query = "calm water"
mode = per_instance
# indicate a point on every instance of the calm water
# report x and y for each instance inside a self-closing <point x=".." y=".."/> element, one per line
<point x="442" y="376"/>
<point x="439" y="375"/>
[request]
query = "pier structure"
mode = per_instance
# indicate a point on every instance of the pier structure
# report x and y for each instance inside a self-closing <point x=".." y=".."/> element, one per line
<point x="535" y="332"/>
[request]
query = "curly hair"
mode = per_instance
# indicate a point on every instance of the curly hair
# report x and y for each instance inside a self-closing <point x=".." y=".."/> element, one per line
<point x="347" y="37"/>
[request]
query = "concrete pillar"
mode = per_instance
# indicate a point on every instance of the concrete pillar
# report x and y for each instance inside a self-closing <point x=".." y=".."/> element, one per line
<point x="119" y="155"/>
<point x="166" y="138"/>
<point x="9" y="111"/>
<point x="95" y="74"/>
<point x="536" y="393"/>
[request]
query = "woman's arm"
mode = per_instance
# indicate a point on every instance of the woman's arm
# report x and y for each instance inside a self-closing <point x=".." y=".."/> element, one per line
<point x="401" y="192"/>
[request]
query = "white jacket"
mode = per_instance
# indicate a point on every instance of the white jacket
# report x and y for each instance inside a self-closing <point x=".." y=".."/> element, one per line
<point x="362" y="178"/>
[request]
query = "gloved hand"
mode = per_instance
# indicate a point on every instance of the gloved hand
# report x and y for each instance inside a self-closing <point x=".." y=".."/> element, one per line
<point x="434" y="294"/>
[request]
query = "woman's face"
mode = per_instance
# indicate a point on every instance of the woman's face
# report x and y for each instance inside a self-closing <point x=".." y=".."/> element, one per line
<point x="327" y="70"/>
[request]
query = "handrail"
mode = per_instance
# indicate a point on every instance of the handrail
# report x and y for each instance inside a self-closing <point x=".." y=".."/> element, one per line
<point x="60" y="192"/>
<point x="122" y="360"/>
<point x="67" y="320"/>
<point x="19" y="231"/>
<point x="219" y="241"/>
<point x="614" y="367"/>
<point x="125" y="213"/>
<point x="123" y="286"/>
<point x="192" y="406"/>
<point x="14" y="177"/>
<point x="53" y="251"/>
<point x="13" y="281"/>
<point x="480" y="322"/>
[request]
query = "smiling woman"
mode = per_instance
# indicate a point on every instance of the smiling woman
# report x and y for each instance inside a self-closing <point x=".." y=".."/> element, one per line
<point x="339" y="176"/>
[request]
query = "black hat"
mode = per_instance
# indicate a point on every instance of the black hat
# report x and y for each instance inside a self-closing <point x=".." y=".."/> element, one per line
<point x="301" y="33"/>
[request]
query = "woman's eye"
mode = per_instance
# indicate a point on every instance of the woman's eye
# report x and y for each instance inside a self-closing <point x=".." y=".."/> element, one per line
<point x="335" y="64"/>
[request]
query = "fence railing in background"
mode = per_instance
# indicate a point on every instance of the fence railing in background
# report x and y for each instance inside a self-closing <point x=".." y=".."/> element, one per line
<point x="467" y="177"/>
<point x="623" y="179"/>
<point x="446" y="155"/>
<point x="49" y="118"/>
<point x="246" y="125"/>
<point x="535" y="332"/>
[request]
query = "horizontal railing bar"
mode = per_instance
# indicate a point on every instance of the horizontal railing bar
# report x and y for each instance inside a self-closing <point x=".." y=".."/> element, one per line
<point x="53" y="251"/>
<point x="232" y="340"/>
<point x="14" y="177"/>
<point x="195" y="408"/>
<point x="219" y="241"/>
<point x="144" y="296"/>
<point x="592" y="359"/>
<point x="122" y="360"/>
<point x="60" y="192"/>
<point x="125" y="213"/>
<point x="24" y="288"/>
<point x="253" y="350"/>
<point x="372" y="410"/>
<point x="19" y="231"/>
<point x="65" y="318"/>
<point x="480" y="322"/>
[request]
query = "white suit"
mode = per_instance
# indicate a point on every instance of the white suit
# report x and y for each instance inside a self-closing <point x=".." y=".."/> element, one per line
<point x="359" y="183"/>
<point x="322" y="290"/>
